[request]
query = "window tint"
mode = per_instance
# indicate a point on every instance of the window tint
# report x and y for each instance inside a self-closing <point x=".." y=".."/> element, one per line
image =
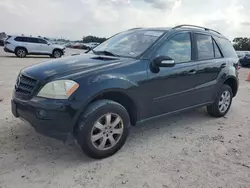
<point x="41" y="41"/>
<point x="226" y="47"/>
<point x="20" y="39"/>
<point x="26" y="39"/>
<point x="217" y="53"/>
<point x="178" y="48"/>
<point x="205" y="47"/>
<point x="33" y="40"/>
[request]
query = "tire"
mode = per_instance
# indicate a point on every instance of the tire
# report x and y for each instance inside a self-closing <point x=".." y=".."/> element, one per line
<point x="21" y="52"/>
<point x="96" y="142"/>
<point x="216" y="109"/>
<point x="57" y="53"/>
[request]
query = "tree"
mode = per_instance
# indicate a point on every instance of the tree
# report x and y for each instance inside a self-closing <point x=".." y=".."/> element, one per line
<point x="90" y="38"/>
<point x="2" y="35"/>
<point x="242" y="44"/>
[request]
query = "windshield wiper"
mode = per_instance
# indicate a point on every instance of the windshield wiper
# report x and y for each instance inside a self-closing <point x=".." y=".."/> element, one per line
<point x="90" y="49"/>
<point x="103" y="52"/>
<point x="106" y="53"/>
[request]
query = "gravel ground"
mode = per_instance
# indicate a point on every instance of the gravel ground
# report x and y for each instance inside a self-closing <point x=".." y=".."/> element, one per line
<point x="186" y="150"/>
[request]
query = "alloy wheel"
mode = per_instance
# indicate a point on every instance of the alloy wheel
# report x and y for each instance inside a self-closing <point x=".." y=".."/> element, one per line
<point x="107" y="131"/>
<point x="57" y="54"/>
<point x="21" y="53"/>
<point x="224" y="101"/>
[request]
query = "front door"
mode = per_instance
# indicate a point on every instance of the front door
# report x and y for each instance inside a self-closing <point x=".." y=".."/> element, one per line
<point x="173" y="88"/>
<point x="44" y="47"/>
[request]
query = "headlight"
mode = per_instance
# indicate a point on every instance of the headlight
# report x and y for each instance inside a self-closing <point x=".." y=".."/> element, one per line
<point x="59" y="89"/>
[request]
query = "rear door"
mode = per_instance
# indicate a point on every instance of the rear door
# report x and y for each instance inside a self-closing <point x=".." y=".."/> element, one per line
<point x="23" y="42"/>
<point x="32" y="45"/>
<point x="211" y="66"/>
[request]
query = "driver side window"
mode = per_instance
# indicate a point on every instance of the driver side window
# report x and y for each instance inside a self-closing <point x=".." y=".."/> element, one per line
<point x="178" y="48"/>
<point x="41" y="41"/>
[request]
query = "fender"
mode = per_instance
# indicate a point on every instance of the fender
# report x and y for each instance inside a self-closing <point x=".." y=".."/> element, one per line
<point x="96" y="86"/>
<point x="230" y="74"/>
<point x="57" y="49"/>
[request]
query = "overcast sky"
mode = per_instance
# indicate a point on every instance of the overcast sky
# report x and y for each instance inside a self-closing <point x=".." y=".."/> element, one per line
<point x="76" y="18"/>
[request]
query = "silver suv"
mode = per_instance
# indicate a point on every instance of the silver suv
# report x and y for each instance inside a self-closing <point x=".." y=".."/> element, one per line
<point x="22" y="46"/>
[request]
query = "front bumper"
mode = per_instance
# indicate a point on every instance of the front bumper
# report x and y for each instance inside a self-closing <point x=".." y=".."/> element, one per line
<point x="64" y="51"/>
<point x="51" y="118"/>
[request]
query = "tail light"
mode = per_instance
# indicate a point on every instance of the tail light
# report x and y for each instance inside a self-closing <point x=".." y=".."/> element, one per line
<point x="237" y="65"/>
<point x="6" y="42"/>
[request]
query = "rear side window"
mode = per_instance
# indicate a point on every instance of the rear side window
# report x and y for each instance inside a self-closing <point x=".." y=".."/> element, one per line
<point x="217" y="53"/>
<point x="8" y="37"/>
<point x="26" y="39"/>
<point x="21" y="39"/>
<point x="226" y="47"/>
<point x="205" y="47"/>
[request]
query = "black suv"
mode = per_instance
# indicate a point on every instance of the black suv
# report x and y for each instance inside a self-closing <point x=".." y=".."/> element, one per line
<point x="244" y="58"/>
<point x="135" y="76"/>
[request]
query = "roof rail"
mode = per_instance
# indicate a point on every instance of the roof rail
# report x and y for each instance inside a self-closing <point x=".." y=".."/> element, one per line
<point x="187" y="25"/>
<point x="135" y="28"/>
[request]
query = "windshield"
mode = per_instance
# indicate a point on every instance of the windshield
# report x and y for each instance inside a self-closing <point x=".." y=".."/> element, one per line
<point x="130" y="43"/>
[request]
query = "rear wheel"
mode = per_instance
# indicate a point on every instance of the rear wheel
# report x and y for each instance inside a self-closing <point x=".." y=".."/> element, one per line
<point x="21" y="52"/>
<point x="103" y="129"/>
<point x="222" y="103"/>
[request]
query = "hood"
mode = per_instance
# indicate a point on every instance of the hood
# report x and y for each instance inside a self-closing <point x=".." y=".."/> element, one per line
<point x="70" y="65"/>
<point x="58" y="46"/>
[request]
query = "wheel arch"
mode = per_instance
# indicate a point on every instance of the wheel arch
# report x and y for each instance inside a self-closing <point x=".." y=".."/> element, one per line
<point x="21" y="47"/>
<point x="57" y="49"/>
<point x="117" y="95"/>
<point x="233" y="83"/>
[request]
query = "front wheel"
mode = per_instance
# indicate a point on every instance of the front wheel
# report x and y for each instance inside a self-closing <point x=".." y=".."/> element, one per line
<point x="103" y="129"/>
<point x="222" y="103"/>
<point x="57" y="53"/>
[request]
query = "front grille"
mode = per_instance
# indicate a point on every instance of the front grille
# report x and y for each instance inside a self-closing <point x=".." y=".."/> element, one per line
<point x="25" y="85"/>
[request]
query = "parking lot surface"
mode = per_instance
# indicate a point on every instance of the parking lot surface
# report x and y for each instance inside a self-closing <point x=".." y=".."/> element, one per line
<point x="190" y="149"/>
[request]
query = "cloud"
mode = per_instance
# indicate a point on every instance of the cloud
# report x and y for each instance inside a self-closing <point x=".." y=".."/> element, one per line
<point x="245" y="23"/>
<point x="77" y="18"/>
<point x="162" y="4"/>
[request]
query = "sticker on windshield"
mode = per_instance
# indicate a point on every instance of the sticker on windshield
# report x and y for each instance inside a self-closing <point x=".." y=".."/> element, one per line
<point x="153" y="33"/>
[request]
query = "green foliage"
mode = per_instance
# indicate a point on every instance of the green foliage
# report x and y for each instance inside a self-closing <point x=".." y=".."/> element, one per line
<point x="242" y="44"/>
<point x="90" y="38"/>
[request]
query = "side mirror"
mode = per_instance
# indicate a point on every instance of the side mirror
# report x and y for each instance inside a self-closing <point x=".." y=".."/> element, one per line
<point x="163" y="61"/>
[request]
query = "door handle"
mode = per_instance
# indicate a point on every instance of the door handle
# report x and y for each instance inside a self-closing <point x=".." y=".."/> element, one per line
<point x="192" y="71"/>
<point x="223" y="65"/>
